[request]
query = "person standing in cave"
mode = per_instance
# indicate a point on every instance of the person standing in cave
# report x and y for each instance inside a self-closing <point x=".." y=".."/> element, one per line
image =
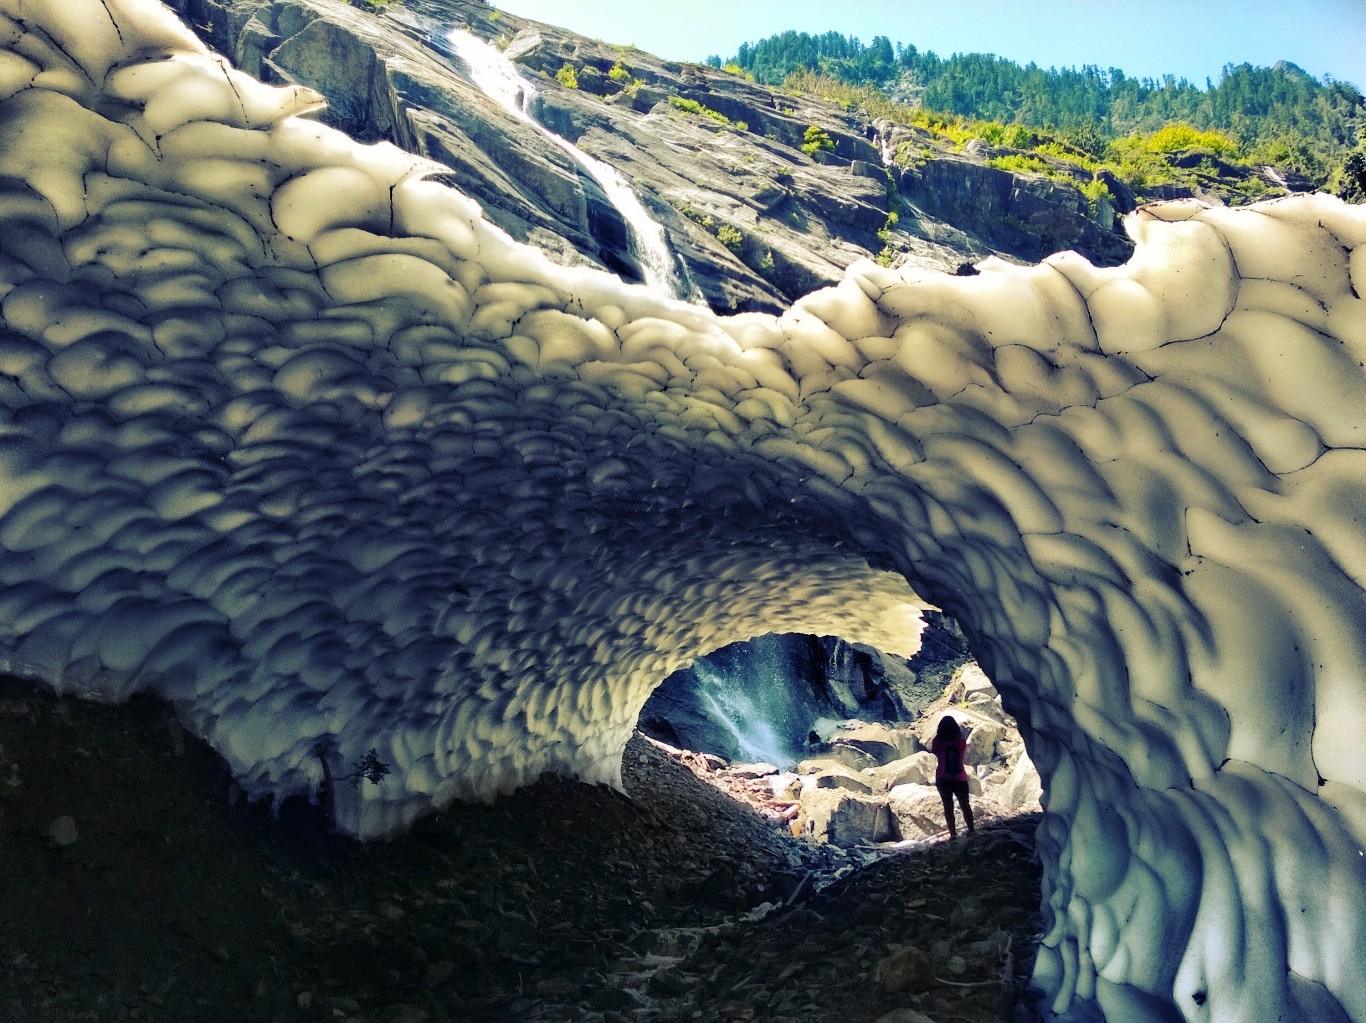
<point x="950" y="747"/>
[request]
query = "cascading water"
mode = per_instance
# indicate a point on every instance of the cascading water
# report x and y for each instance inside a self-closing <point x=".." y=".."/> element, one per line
<point x="749" y="702"/>
<point x="735" y="707"/>
<point x="498" y="78"/>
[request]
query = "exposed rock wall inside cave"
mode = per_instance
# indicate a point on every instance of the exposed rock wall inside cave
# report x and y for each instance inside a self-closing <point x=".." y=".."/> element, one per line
<point x="762" y="700"/>
<point x="293" y="437"/>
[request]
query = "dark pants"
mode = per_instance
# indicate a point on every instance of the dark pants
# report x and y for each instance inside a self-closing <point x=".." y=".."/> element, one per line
<point x="949" y="789"/>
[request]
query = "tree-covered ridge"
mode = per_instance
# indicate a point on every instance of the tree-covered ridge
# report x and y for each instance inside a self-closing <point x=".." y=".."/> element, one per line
<point x="1279" y="115"/>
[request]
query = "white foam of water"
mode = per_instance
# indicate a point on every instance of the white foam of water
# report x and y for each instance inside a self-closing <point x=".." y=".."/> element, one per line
<point x="498" y="77"/>
<point x="754" y="736"/>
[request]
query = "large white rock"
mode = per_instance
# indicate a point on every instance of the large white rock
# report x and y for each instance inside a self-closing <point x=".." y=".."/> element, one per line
<point x="917" y="769"/>
<point x="290" y="435"/>
<point x="1022" y="789"/>
<point x="844" y="818"/>
<point x="918" y="810"/>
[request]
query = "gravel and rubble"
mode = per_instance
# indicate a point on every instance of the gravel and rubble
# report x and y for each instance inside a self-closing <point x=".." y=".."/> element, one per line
<point x="137" y="890"/>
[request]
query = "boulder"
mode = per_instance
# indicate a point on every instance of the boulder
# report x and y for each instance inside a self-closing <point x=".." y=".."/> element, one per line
<point x="975" y="680"/>
<point x="785" y="785"/>
<point x="988" y="706"/>
<point x="849" y="782"/>
<point x="917" y="769"/>
<point x="1023" y="789"/>
<point x="982" y="740"/>
<point x="844" y="818"/>
<point x="874" y="739"/>
<point x="833" y="773"/>
<point x="917" y="811"/>
<point x="905" y="969"/>
<point x="851" y="756"/>
<point x="984" y="731"/>
<point x="62" y="831"/>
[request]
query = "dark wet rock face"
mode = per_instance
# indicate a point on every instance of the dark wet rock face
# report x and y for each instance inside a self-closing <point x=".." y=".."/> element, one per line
<point x="752" y="221"/>
<point x="764" y="700"/>
<point x="1025" y="215"/>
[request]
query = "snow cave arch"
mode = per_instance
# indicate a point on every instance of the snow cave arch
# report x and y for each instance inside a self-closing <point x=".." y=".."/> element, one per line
<point x="293" y="437"/>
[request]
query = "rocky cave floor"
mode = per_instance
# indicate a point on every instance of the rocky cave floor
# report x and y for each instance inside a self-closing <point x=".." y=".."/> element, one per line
<point x="134" y="889"/>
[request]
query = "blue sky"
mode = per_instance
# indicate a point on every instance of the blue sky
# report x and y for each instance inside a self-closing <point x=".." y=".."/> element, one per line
<point x="1145" y="38"/>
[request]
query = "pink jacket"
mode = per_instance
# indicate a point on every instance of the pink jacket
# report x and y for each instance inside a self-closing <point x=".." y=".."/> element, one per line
<point x="939" y="747"/>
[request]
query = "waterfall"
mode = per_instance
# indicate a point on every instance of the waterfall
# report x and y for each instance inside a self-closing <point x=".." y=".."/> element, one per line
<point x="737" y="705"/>
<point x="749" y="701"/>
<point x="499" y="79"/>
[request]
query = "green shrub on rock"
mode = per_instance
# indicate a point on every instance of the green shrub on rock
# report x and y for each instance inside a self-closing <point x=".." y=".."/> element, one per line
<point x="816" y="140"/>
<point x="731" y="237"/>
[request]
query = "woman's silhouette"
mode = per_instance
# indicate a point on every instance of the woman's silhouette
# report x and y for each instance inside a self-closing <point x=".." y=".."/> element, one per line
<point x="950" y="747"/>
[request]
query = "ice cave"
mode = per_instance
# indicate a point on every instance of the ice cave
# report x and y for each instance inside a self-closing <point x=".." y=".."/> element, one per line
<point x="296" y="439"/>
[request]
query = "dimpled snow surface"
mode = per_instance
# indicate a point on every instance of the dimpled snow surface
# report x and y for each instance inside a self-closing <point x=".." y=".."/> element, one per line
<point x="292" y="436"/>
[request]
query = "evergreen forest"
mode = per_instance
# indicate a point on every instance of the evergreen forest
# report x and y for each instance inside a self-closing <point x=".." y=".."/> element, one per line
<point x="1277" y="116"/>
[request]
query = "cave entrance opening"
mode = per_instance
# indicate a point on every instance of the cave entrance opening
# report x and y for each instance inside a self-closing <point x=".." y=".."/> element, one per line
<point x="827" y="740"/>
<point x="830" y="738"/>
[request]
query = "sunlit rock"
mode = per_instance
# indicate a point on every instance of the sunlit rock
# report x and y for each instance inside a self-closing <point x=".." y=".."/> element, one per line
<point x="291" y="436"/>
<point x="916" y="769"/>
<point x="844" y="817"/>
<point x="917" y="809"/>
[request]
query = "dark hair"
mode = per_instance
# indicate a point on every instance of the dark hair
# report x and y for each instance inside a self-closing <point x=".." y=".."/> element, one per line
<point x="948" y="729"/>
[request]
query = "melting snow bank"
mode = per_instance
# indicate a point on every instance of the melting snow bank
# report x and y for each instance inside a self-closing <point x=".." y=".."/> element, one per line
<point x="291" y="436"/>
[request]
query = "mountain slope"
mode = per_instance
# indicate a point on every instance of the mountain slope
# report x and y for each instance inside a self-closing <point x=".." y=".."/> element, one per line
<point x="762" y="195"/>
